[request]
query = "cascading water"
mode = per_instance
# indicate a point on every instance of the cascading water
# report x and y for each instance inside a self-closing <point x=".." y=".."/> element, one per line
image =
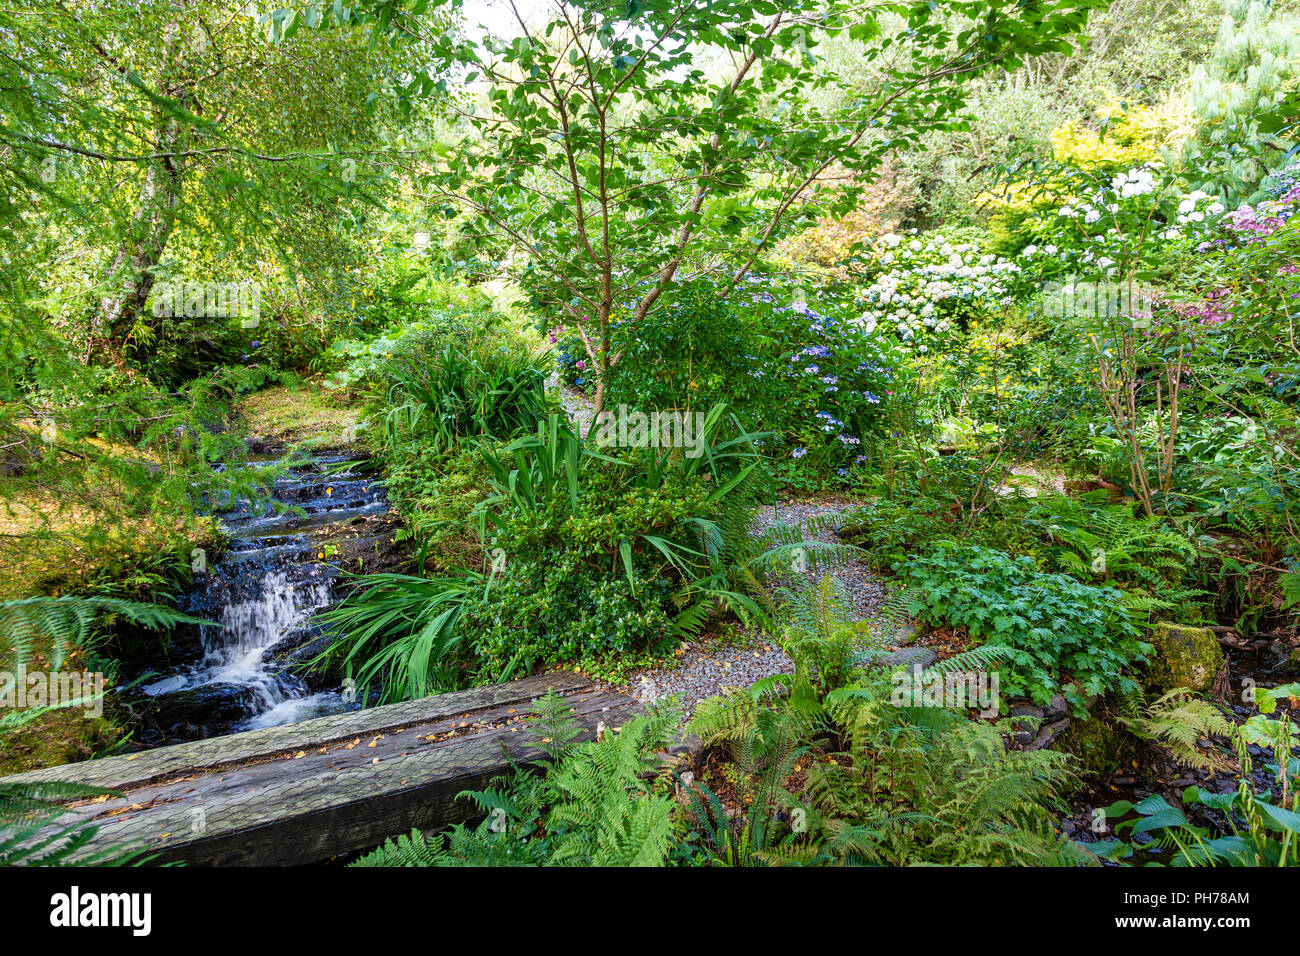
<point x="263" y="594"/>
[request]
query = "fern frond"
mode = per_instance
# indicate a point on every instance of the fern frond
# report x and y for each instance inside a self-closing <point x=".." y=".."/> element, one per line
<point x="58" y="625"/>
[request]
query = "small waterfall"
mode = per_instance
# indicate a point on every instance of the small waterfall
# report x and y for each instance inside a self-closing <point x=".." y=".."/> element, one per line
<point x="263" y="594"/>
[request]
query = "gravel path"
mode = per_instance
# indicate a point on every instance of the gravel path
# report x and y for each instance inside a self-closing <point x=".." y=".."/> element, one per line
<point x="578" y="404"/>
<point x="706" y="668"/>
<point x="865" y="588"/>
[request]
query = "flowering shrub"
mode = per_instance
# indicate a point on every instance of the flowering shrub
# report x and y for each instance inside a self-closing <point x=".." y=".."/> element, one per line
<point x="835" y="390"/>
<point x="1243" y="272"/>
<point x="1092" y="223"/>
<point x="933" y="283"/>
<point x="572" y="362"/>
<point x="1103" y="223"/>
<point x="1256" y="223"/>
<point x="807" y="374"/>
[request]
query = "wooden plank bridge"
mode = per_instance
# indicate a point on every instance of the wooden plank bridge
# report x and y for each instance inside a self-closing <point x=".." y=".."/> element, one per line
<point x="305" y="792"/>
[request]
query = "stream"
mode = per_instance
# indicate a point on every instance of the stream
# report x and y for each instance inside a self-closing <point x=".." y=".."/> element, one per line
<point x="263" y="592"/>
<point x="1156" y="773"/>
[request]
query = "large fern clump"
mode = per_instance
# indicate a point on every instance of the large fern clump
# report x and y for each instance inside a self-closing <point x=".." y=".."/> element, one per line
<point x="937" y="788"/>
<point x="881" y="783"/>
<point x="1114" y="543"/>
<point x="31" y="833"/>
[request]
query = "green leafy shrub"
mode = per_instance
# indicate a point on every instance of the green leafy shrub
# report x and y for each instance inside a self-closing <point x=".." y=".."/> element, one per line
<point x="924" y="498"/>
<point x="584" y="556"/>
<point x="1058" y="626"/>
<point x="602" y="554"/>
<point x="890" y="529"/>
<point x="558" y="607"/>
<point x="437" y="495"/>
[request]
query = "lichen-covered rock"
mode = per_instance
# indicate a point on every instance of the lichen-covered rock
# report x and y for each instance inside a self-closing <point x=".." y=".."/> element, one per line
<point x="1184" y="657"/>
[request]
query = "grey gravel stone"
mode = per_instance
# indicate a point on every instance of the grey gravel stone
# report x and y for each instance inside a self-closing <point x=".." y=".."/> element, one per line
<point x="910" y="657"/>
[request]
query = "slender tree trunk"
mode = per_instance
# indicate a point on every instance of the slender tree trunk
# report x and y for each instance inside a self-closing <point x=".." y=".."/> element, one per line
<point x="131" y="272"/>
<point x="133" y="265"/>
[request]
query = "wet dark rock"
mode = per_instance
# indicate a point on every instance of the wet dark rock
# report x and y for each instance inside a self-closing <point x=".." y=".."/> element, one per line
<point x="1027" y="710"/>
<point x="138" y="650"/>
<point x="1048" y="733"/>
<point x="687" y="745"/>
<point x="295" y="653"/>
<point x="181" y="712"/>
